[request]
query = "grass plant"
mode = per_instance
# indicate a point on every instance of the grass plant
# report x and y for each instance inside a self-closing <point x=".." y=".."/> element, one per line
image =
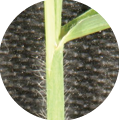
<point x="56" y="36"/>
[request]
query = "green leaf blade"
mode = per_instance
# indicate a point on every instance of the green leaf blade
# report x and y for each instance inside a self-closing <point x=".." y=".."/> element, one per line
<point x="86" y="26"/>
<point x="87" y="23"/>
<point x="72" y="23"/>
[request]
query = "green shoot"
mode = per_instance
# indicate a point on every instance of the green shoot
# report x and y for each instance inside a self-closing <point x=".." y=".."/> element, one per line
<point x="56" y="36"/>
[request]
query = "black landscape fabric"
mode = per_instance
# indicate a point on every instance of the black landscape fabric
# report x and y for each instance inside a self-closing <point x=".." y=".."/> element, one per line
<point x="91" y="63"/>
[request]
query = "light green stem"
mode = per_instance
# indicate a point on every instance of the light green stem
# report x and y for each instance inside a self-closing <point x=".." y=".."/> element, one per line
<point x="54" y="61"/>
<point x="55" y="87"/>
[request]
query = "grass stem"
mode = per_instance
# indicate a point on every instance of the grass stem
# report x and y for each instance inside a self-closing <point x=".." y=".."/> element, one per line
<point x="54" y="61"/>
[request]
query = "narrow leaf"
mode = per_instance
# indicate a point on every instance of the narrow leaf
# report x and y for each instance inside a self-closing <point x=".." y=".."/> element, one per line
<point x="85" y="27"/>
<point x="72" y="23"/>
<point x="58" y="13"/>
